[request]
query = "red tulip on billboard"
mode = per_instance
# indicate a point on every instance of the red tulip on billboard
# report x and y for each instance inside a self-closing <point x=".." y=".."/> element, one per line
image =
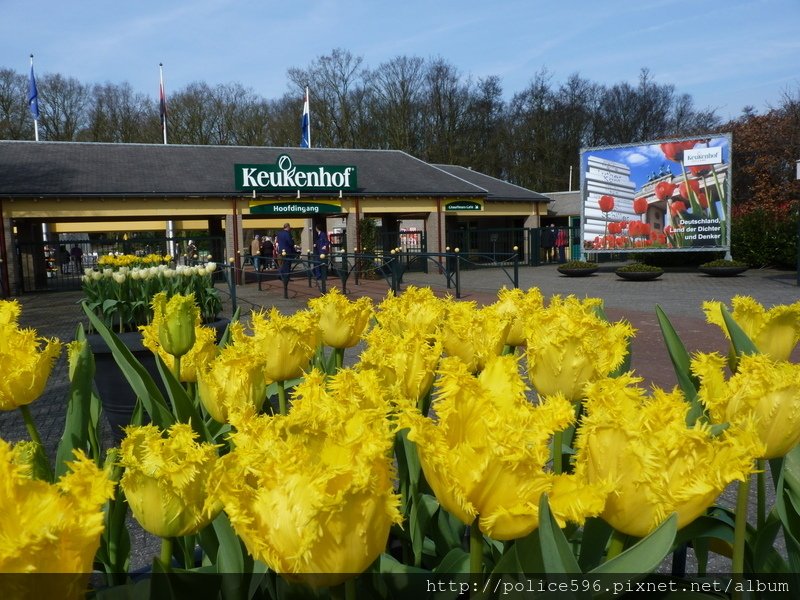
<point x="606" y="203"/>
<point x="640" y="206"/>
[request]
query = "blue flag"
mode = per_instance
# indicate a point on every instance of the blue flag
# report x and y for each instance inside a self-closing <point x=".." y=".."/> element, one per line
<point x="305" y="125"/>
<point x="33" y="96"/>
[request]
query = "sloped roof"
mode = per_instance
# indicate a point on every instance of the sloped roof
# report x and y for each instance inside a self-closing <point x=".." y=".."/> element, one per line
<point x="63" y="169"/>
<point x="496" y="189"/>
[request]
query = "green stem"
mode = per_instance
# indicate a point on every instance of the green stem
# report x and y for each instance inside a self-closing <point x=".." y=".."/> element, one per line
<point x="475" y="548"/>
<point x="616" y="545"/>
<point x="740" y="527"/>
<point x="177" y="370"/>
<point x="350" y="589"/>
<point x="696" y="209"/>
<point x="338" y="354"/>
<point x="558" y="441"/>
<point x="166" y="554"/>
<point x="761" y="494"/>
<point x="282" y="397"/>
<point x="36" y="439"/>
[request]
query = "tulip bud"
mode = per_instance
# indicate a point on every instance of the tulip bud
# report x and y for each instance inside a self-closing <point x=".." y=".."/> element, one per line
<point x="176" y="319"/>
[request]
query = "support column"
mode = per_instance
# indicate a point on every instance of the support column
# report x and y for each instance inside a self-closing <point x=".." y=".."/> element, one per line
<point x="234" y="235"/>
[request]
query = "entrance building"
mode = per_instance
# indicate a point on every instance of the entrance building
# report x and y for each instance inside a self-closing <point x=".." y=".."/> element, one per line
<point x="55" y="192"/>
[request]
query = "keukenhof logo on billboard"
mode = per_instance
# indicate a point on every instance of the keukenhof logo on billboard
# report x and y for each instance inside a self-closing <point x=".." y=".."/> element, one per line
<point x="662" y="195"/>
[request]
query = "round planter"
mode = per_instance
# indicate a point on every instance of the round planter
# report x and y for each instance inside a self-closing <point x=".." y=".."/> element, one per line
<point x="116" y="395"/>
<point x="722" y="271"/>
<point x="576" y="272"/>
<point x="639" y="275"/>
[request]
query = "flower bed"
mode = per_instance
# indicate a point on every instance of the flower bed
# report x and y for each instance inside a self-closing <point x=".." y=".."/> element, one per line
<point x="577" y="268"/>
<point x="433" y="437"/>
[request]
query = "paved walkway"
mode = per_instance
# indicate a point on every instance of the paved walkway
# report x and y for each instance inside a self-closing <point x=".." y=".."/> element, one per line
<point x="680" y="294"/>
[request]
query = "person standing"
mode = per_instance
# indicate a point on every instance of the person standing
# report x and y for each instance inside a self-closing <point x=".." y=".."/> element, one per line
<point x="548" y="241"/>
<point x="255" y="251"/>
<point x="284" y="243"/>
<point x="321" y="248"/>
<point x="266" y="251"/>
<point x="77" y="257"/>
<point x="562" y="239"/>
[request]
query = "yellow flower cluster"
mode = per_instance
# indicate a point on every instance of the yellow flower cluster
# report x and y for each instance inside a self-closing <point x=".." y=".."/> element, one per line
<point x="115" y="261"/>
<point x="26" y="359"/>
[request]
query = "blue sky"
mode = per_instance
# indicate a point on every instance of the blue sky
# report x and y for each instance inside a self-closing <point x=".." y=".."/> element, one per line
<point x="725" y="54"/>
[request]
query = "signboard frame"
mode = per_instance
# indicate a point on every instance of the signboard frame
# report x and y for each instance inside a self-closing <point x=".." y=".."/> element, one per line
<point x="672" y="216"/>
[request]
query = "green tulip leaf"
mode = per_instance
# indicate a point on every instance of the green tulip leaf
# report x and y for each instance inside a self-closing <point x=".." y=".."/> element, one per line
<point x="688" y="383"/>
<point x="186" y="410"/>
<point x="742" y="344"/>
<point x="556" y="550"/>
<point x="230" y="558"/>
<point x="644" y="556"/>
<point x="389" y="564"/>
<point x="596" y="533"/>
<point x="456" y="561"/>
<point x="79" y="400"/>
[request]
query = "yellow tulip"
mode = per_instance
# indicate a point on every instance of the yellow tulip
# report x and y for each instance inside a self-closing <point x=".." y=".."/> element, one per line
<point x="485" y="455"/>
<point x="175" y="320"/>
<point x="404" y="361"/>
<point x="569" y="345"/>
<point x="416" y="308"/>
<point x="775" y="332"/>
<point x="517" y="304"/>
<point x="203" y="352"/>
<point x="285" y="344"/>
<point x="166" y="479"/>
<point x="232" y="383"/>
<point x="762" y="390"/>
<point x="657" y="465"/>
<point x="341" y="322"/>
<point x="49" y="528"/>
<point x="26" y="360"/>
<point x="472" y="334"/>
<point x="311" y="494"/>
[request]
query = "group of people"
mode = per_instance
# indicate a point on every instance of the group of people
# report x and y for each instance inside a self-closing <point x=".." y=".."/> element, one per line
<point x="267" y="254"/>
<point x="554" y="244"/>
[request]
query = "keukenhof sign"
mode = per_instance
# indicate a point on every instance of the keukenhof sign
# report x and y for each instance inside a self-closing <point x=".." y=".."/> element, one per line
<point x="285" y="176"/>
<point x="661" y="195"/>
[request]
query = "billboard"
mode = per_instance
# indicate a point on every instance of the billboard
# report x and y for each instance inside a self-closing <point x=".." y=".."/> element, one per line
<point x="665" y="195"/>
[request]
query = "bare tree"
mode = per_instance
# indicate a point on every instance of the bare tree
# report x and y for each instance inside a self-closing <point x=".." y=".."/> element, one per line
<point x="15" y="118"/>
<point x="445" y="112"/>
<point x="118" y="114"/>
<point x="398" y="87"/>
<point x="62" y="105"/>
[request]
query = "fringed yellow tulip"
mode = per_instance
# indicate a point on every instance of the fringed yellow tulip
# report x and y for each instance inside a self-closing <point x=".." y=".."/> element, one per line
<point x="405" y="362"/>
<point x="485" y="457"/>
<point x="232" y="383"/>
<point x="517" y="304"/>
<point x="311" y="494"/>
<point x="775" y="332"/>
<point x="569" y="345"/>
<point x="341" y="322"/>
<point x="285" y="344"/>
<point x="657" y="465"/>
<point x="416" y="308"/>
<point x="49" y="528"/>
<point x="203" y="352"/>
<point x="175" y="320"/>
<point x="26" y="360"/>
<point x="166" y="479"/>
<point x="763" y="390"/>
<point x="472" y="334"/>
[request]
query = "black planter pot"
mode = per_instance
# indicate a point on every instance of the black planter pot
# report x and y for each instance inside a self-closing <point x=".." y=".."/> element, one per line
<point x="722" y="271"/>
<point x="116" y="395"/>
<point x="576" y="272"/>
<point x="639" y="275"/>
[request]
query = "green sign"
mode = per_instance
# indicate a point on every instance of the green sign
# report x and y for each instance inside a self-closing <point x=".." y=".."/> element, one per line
<point x="294" y="207"/>
<point x="284" y="176"/>
<point x="463" y="205"/>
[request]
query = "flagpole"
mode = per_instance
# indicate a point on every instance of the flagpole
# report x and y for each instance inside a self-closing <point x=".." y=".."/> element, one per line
<point x="33" y="96"/>
<point x="163" y="101"/>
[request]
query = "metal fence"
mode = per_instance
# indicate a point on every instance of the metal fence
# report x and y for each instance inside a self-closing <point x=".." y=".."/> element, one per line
<point x="56" y="265"/>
